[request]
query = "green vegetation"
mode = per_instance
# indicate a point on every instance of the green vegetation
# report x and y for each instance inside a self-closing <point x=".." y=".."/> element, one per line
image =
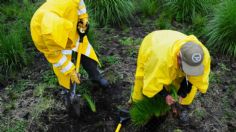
<point x="49" y="77"/>
<point x="90" y="101"/>
<point x="39" y="90"/>
<point x="43" y="105"/>
<point x="213" y="78"/>
<point x="12" y="53"/>
<point x="143" y="110"/>
<point x="223" y="67"/>
<point x="199" y="113"/>
<point x="15" y="35"/>
<point x="110" y="60"/>
<point x="84" y="90"/>
<point x="147" y="7"/>
<point x="222" y="28"/>
<point x="164" y="20"/>
<point x="129" y="41"/>
<point x="12" y="125"/>
<point x="199" y="24"/>
<point x="114" y="12"/>
<point x="186" y="10"/>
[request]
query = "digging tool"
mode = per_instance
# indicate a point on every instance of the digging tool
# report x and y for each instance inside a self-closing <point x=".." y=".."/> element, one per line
<point x="124" y="116"/>
<point x="75" y="98"/>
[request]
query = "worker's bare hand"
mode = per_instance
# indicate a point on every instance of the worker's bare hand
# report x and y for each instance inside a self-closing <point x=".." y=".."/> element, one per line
<point x="170" y="100"/>
<point x="180" y="99"/>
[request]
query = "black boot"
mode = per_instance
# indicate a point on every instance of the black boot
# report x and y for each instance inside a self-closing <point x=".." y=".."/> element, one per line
<point x="91" y="68"/>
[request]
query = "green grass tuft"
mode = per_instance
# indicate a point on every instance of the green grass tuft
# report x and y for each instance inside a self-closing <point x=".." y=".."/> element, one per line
<point x="84" y="90"/>
<point x="114" y="12"/>
<point x="185" y="10"/>
<point x="12" y="53"/>
<point x="147" y="7"/>
<point x="90" y="101"/>
<point x="164" y="20"/>
<point x="222" y="28"/>
<point x="15" y="36"/>
<point x="143" y="110"/>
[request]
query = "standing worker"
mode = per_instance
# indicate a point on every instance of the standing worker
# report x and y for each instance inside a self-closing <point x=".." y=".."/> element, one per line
<point x="169" y="57"/>
<point x="55" y="29"/>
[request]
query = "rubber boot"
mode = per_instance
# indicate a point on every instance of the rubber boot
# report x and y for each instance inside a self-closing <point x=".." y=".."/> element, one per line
<point x="91" y="67"/>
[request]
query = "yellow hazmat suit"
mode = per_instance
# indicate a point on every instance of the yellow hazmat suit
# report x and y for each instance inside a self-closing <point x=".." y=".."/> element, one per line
<point x="54" y="32"/>
<point x="157" y="65"/>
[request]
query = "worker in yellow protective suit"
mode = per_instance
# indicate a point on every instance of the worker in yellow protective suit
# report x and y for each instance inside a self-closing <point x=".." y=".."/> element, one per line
<point x="54" y="29"/>
<point x="169" y="57"/>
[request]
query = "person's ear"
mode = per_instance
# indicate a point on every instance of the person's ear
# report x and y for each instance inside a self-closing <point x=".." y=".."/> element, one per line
<point x="179" y="59"/>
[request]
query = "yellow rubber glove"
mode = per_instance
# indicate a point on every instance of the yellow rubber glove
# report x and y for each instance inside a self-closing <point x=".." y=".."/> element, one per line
<point x="74" y="77"/>
<point x="83" y="24"/>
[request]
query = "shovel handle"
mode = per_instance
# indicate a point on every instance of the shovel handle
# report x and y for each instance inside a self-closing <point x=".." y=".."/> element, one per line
<point x="118" y="127"/>
<point x="74" y="88"/>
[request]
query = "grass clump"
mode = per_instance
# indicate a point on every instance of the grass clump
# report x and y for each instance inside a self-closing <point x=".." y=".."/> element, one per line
<point x="164" y="20"/>
<point x="143" y="110"/>
<point x="130" y="41"/>
<point x="110" y="60"/>
<point x="185" y="10"/>
<point x="84" y="90"/>
<point x="15" y="36"/>
<point x="12" y="53"/>
<point x="50" y="78"/>
<point x="90" y="101"/>
<point x="114" y="12"/>
<point x="222" y="28"/>
<point x="147" y="7"/>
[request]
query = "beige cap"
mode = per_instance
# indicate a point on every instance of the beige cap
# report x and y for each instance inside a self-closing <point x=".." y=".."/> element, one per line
<point x="192" y="56"/>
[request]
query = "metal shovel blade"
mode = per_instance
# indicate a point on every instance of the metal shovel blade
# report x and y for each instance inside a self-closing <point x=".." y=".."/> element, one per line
<point x="124" y="115"/>
<point x="76" y="101"/>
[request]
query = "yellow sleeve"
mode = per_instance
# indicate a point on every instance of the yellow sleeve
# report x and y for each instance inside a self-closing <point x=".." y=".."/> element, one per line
<point x="189" y="98"/>
<point x="82" y="11"/>
<point x="138" y="83"/>
<point x="202" y="82"/>
<point x="199" y="82"/>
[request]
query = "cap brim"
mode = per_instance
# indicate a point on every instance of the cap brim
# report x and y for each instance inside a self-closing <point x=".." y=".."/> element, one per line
<point x="192" y="70"/>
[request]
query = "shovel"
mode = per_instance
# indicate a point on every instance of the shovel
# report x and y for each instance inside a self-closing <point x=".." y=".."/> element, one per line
<point x="124" y="116"/>
<point x="75" y="99"/>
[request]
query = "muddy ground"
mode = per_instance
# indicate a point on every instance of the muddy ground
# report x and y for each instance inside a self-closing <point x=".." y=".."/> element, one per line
<point x="214" y="111"/>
